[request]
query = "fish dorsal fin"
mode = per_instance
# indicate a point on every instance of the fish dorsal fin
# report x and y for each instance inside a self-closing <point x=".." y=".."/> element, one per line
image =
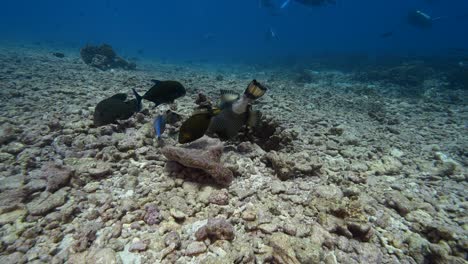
<point x="228" y="96"/>
<point x="120" y="96"/>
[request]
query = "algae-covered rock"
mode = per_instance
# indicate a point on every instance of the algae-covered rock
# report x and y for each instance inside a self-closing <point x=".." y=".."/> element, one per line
<point x="57" y="176"/>
<point x="387" y="165"/>
<point x="282" y="250"/>
<point x="11" y="217"/>
<point x="7" y="134"/>
<point x="103" y="256"/>
<point x="11" y="199"/>
<point x="46" y="202"/>
<point x="287" y="166"/>
<point x="216" y="228"/>
<point x="195" y="248"/>
<point x="88" y="168"/>
<point x="104" y="58"/>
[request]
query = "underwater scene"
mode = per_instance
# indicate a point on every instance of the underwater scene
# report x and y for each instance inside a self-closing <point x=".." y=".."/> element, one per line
<point x="234" y="132"/>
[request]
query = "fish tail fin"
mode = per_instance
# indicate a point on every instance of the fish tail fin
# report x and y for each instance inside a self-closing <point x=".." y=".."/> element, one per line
<point x="138" y="98"/>
<point x="285" y="4"/>
<point x="255" y="90"/>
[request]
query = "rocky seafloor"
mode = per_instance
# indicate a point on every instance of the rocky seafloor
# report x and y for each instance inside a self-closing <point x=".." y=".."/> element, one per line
<point x="350" y="173"/>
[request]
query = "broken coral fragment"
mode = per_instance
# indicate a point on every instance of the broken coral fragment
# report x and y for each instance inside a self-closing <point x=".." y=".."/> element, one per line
<point x="204" y="154"/>
<point x="216" y="229"/>
<point x="287" y="166"/>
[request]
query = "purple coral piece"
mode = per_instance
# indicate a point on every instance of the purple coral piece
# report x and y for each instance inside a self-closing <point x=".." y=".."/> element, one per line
<point x="152" y="215"/>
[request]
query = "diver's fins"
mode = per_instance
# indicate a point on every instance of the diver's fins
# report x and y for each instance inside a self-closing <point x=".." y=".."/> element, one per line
<point x="255" y="90"/>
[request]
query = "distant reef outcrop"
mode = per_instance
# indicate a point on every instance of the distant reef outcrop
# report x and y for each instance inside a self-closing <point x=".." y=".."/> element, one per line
<point x="105" y="58"/>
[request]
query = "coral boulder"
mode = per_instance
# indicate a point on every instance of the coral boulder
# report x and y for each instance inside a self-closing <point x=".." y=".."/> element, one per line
<point x="203" y="154"/>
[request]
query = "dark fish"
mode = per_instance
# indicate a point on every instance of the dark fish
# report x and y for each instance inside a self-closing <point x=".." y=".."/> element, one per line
<point x="164" y="92"/>
<point x="159" y="125"/>
<point x="196" y="126"/>
<point x="115" y="108"/>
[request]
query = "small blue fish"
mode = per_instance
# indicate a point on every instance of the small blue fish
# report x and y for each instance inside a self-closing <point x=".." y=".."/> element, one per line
<point x="159" y="125"/>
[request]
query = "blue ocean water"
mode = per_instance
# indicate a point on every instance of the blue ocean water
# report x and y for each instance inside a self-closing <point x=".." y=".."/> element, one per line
<point x="236" y="30"/>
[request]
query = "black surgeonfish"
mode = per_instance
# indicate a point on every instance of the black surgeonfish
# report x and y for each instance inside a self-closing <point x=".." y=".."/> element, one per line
<point x="115" y="108"/>
<point x="164" y="92"/>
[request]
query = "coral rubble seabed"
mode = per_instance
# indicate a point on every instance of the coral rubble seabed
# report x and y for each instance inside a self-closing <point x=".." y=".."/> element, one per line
<point x="347" y="170"/>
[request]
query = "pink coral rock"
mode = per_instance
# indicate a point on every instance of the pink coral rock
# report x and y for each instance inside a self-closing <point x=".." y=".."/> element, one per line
<point x="204" y="154"/>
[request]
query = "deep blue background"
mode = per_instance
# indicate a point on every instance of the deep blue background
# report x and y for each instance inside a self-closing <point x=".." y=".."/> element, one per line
<point x="230" y="29"/>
